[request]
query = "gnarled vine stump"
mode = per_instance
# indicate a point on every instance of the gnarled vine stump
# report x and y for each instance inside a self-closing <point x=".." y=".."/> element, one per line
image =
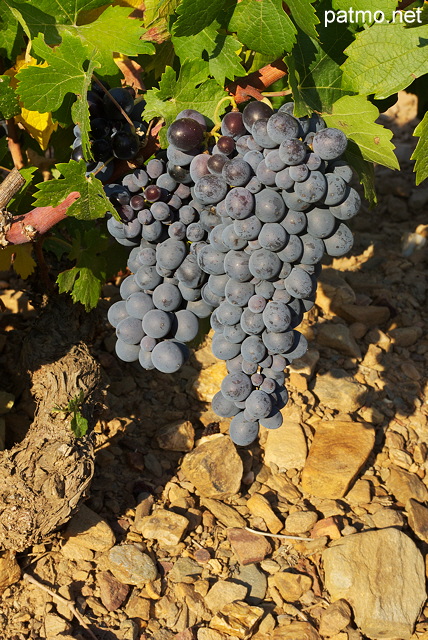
<point x="43" y="478"/>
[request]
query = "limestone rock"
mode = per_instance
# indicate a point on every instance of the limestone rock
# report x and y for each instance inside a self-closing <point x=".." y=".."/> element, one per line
<point x="138" y="607"/>
<point x="113" y="593"/>
<point x="382" y="576"/>
<point x="210" y="634"/>
<point x="337" y="390"/>
<point x="300" y="521"/>
<point x="405" y="336"/>
<point x="89" y="530"/>
<point x="10" y="571"/>
<point x="339" y="338"/>
<point x="208" y="381"/>
<point x="185" y="570"/>
<point x="418" y="518"/>
<point x="55" y="626"/>
<point x="300" y="630"/>
<point x="214" y="467"/>
<point x="339" y="450"/>
<point x="370" y="315"/>
<point x="224" y="592"/>
<point x="237" y="619"/>
<point x="255" y="581"/>
<point x="248" y="547"/>
<point x="333" y="291"/>
<point x="130" y="565"/>
<point x="302" y="369"/>
<point x="286" y="447"/>
<point x="167" y="527"/>
<point x="291" y="586"/>
<point x="335" y="618"/>
<point x="404" y="486"/>
<point x="259" y="506"/>
<point x="177" y="436"/>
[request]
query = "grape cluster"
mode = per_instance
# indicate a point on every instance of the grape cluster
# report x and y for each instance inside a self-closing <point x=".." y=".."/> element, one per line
<point x="111" y="135"/>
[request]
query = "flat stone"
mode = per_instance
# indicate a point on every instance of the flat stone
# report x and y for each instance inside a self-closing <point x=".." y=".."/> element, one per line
<point x="89" y="530"/>
<point x="417" y="515"/>
<point x="405" y="336"/>
<point x="214" y="468"/>
<point x="291" y="586"/>
<point x="337" y="390"/>
<point x="208" y="381"/>
<point x="10" y="571"/>
<point x="369" y="315"/>
<point x="302" y="369"/>
<point x="248" y="547"/>
<point x="338" y="452"/>
<point x="255" y="581"/>
<point x="300" y="521"/>
<point x="130" y="565"/>
<point x="237" y="619"/>
<point x="405" y="485"/>
<point x="55" y="626"/>
<point x="76" y="552"/>
<point x="225" y="514"/>
<point x="210" y="634"/>
<point x="326" y="527"/>
<point x="185" y="570"/>
<point x="296" y="631"/>
<point x="112" y="592"/>
<point x="167" y="527"/>
<point x="177" y="436"/>
<point x="385" y="518"/>
<point x="339" y="338"/>
<point x="224" y="592"/>
<point x="259" y="506"/>
<point x="382" y="576"/>
<point x="333" y="291"/>
<point x="286" y="447"/>
<point x="360" y="493"/>
<point x="335" y="618"/>
<point x="138" y="607"/>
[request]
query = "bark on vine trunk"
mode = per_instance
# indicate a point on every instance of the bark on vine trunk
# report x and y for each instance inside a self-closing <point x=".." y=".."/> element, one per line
<point x="44" y="477"/>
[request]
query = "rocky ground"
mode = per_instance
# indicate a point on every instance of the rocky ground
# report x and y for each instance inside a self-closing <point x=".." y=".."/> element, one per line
<point x="336" y="498"/>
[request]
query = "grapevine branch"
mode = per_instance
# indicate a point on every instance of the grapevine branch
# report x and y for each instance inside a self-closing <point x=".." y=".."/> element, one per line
<point x="41" y="219"/>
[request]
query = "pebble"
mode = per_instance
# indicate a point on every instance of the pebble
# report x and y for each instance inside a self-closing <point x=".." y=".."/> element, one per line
<point x="417" y="515"/>
<point x="381" y="574"/>
<point x="185" y="570"/>
<point x="300" y="521"/>
<point x="405" y="485"/>
<point x="339" y="450"/>
<point x="286" y="447"/>
<point x="255" y="581"/>
<point x="223" y="513"/>
<point x="167" y="527"/>
<point x="337" y="390"/>
<point x="290" y="585"/>
<point x="10" y="571"/>
<point x="75" y="552"/>
<point x="130" y="565"/>
<point x="112" y="592"/>
<point x="259" y="507"/>
<point x="237" y="619"/>
<point x="333" y="291"/>
<point x="224" y="592"/>
<point x="296" y="631"/>
<point x="209" y="634"/>
<point x="339" y="338"/>
<point x="138" y="607"/>
<point x="335" y="618"/>
<point x="177" y="436"/>
<point x="385" y="518"/>
<point x="326" y="527"/>
<point x="405" y="336"/>
<point x="302" y="370"/>
<point x="248" y="547"/>
<point x="214" y="467"/>
<point x="87" y="529"/>
<point x="55" y="626"/>
<point x="366" y="315"/>
<point x="208" y="381"/>
<point x="360" y="493"/>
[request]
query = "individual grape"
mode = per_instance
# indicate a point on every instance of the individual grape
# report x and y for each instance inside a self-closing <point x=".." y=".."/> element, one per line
<point x="147" y="343"/>
<point x="215" y="324"/>
<point x="192" y="295"/>
<point x="264" y="264"/>
<point x="294" y="202"/>
<point x="234" y="333"/>
<point x="137" y="202"/>
<point x="232" y="125"/>
<point x="252" y="323"/>
<point x="165" y="181"/>
<point x="101" y="150"/>
<point x="160" y="211"/>
<point x="274" y="162"/>
<point x="189" y="273"/>
<point x="276" y="316"/>
<point x="329" y="143"/>
<point x="194" y="115"/>
<point x="154" y="168"/>
<point x="200" y="308"/>
<point x="269" y="206"/>
<point x="261" y="136"/>
<point x="312" y="189"/>
<point x="241" y="431"/>
<point x="299" y="347"/>
<point x="273" y="236"/>
<point x="198" y="167"/>
<point x="258" y="404"/>
<point x="236" y="266"/>
<point x="238" y="293"/>
<point x="216" y="163"/>
<point x="209" y="297"/>
<point x="339" y="243"/>
<point x="296" y="309"/>
<point x="234" y="365"/>
<point x="278" y="343"/>
<point x="125" y="145"/>
<point x="229" y="314"/>
<point x="170" y="253"/>
<point x="299" y="172"/>
<point x="294" y="222"/>
<point x="168" y="356"/>
<point x="292" y="151"/>
<point x="185" y="325"/>
<point x="129" y="330"/>
<point x="316" y="123"/>
<point x="254" y="185"/>
<point x="117" y="312"/>
<point x="185" y="134"/>
<point x="241" y="144"/>
<point x="166" y="297"/>
<point x="281" y="394"/>
<point x="281" y="295"/>
<point x="223" y="349"/>
<point x="253" y="158"/>
<point x="282" y="126"/>
<point x="256" y="304"/>
<point x="100" y="128"/>
<point x="211" y="261"/>
<point x="223" y="407"/>
<point x="265" y="289"/>
<point x="152" y="193"/>
<point x="336" y="189"/>
<point x="256" y="378"/>
<point x="313" y="162"/>
<point x="226" y="145"/>
<point x="283" y="179"/>
<point x="210" y="189"/>
<point x="215" y="238"/>
<point x="236" y="172"/>
<point x="269" y="385"/>
<point x="123" y="98"/>
<point x="255" y="111"/>
<point x="265" y="175"/>
<point x="236" y="387"/>
<point x="152" y="232"/>
<point x="209" y="219"/>
<point x="313" y="249"/>
<point x="145" y="359"/>
<point x="179" y="173"/>
<point x="273" y="421"/>
<point x="195" y="232"/>
<point x="128" y="287"/>
<point x="292" y="250"/>
<point x="247" y="229"/>
<point x="138" y="304"/>
<point x="156" y="323"/>
<point x="127" y="352"/>
<point x="217" y="284"/>
<point x="239" y="203"/>
<point x="147" y="278"/>
<point x="180" y="158"/>
<point x="321" y="222"/>
<point x="342" y="169"/>
<point x="177" y="230"/>
<point x="187" y="214"/>
<point x="299" y="283"/>
<point x="349" y="207"/>
<point x="145" y="217"/>
<point x="253" y="349"/>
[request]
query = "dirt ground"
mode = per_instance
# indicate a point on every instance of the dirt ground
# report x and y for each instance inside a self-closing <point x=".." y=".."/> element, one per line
<point x="367" y="365"/>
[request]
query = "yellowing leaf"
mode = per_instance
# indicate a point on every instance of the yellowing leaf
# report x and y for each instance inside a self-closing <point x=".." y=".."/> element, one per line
<point x="19" y="256"/>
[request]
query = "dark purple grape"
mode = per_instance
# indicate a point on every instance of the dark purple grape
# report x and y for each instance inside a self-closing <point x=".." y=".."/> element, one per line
<point x="232" y="125"/>
<point x="123" y="98"/>
<point x="255" y="111"/>
<point x="100" y="128"/>
<point x="185" y="134"/>
<point x="226" y="145"/>
<point x="152" y="193"/>
<point x="125" y="145"/>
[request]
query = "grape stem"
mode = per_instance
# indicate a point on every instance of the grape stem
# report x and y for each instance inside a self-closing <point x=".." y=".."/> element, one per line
<point x="115" y="102"/>
<point x="217" y="121"/>
<point x="13" y="144"/>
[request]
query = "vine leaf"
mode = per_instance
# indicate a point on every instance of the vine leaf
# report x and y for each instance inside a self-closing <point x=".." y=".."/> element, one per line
<point x="156" y="16"/>
<point x="92" y="203"/>
<point x="11" y="40"/>
<point x="364" y="169"/>
<point x="195" y="15"/>
<point x="264" y="27"/>
<point x="356" y="117"/>
<point x="191" y="90"/>
<point x="20" y="257"/>
<point x="9" y="105"/>
<point x="304" y="15"/>
<point x="420" y="154"/>
<point x="385" y="59"/>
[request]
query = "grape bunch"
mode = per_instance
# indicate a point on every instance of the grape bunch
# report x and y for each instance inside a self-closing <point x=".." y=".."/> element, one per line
<point x="111" y="135"/>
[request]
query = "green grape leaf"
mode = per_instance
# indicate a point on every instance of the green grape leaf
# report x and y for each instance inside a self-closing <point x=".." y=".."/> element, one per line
<point x="386" y="58"/>
<point x="83" y="284"/>
<point x="156" y="17"/>
<point x="11" y="40"/>
<point x="315" y="76"/>
<point x="356" y="117"/>
<point x="92" y="203"/>
<point x="304" y="15"/>
<point x="362" y="12"/>
<point x="27" y="174"/>
<point x="9" y="105"/>
<point x="195" y="15"/>
<point x="420" y="154"/>
<point x="191" y="90"/>
<point x="364" y="170"/>
<point x="221" y="50"/>
<point x="79" y="425"/>
<point x="263" y="26"/>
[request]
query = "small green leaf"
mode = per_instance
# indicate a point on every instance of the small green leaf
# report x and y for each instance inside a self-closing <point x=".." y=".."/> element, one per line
<point x="92" y="203"/>
<point x="79" y="425"/>
<point x="11" y="36"/>
<point x="420" y="154"/>
<point x="83" y="285"/>
<point x="386" y="58"/>
<point x="364" y="169"/>
<point x="195" y="15"/>
<point x="356" y="117"/>
<point x="9" y="105"/>
<point x="263" y="26"/>
<point x="156" y="18"/>
<point x="303" y="13"/>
